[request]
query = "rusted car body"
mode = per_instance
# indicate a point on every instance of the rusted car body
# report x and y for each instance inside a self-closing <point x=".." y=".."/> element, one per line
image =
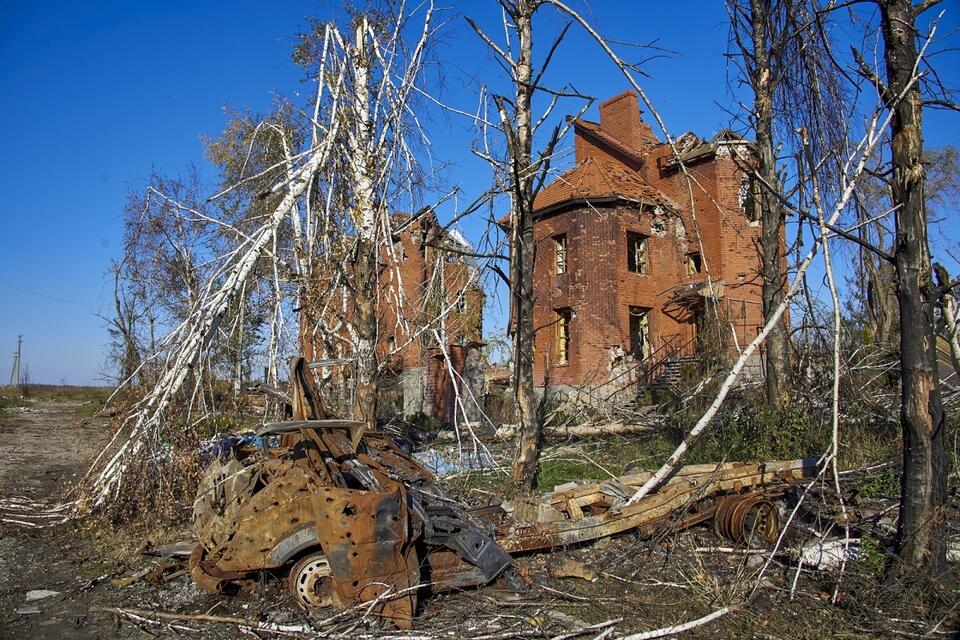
<point x="351" y="519"/>
<point x="354" y="525"/>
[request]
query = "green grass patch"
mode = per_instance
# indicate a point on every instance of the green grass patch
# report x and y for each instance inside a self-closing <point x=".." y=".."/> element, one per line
<point x="746" y="429"/>
<point x="96" y="568"/>
<point x="870" y="557"/>
<point x="554" y="472"/>
<point x="883" y="484"/>
<point x="10" y="401"/>
<point x="217" y="423"/>
<point x="90" y="399"/>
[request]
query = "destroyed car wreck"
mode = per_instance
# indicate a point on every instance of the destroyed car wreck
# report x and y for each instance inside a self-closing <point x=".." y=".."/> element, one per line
<point x="353" y="525"/>
<point x="351" y="519"/>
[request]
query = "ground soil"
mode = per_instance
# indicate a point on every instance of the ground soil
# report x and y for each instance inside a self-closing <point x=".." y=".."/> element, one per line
<point x="643" y="584"/>
<point x="45" y="449"/>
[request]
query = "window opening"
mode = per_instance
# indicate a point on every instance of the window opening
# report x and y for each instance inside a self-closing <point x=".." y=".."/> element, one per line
<point x="560" y="251"/>
<point x="563" y="336"/>
<point x="636" y="252"/>
<point x="639" y="332"/>
<point x="750" y="198"/>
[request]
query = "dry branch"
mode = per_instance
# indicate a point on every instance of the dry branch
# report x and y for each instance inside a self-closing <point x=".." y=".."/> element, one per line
<point x="858" y="159"/>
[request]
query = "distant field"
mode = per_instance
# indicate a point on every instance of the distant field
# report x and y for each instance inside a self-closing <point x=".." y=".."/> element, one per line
<point x="91" y="397"/>
<point x="67" y="392"/>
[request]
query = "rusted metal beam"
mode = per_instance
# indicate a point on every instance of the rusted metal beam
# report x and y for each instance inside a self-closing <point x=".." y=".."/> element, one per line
<point x="689" y="485"/>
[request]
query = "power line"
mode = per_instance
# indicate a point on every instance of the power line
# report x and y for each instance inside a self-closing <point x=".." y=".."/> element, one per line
<point x="44" y="295"/>
<point x="15" y="372"/>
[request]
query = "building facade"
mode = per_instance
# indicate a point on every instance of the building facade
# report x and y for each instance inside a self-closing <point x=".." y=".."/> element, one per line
<point x="634" y="261"/>
<point x="426" y="363"/>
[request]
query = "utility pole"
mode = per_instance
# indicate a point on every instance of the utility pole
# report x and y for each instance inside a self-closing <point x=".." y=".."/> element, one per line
<point x="15" y="372"/>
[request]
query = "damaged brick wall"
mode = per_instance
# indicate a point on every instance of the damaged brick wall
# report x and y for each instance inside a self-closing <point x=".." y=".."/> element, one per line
<point x="419" y="279"/>
<point x="625" y="181"/>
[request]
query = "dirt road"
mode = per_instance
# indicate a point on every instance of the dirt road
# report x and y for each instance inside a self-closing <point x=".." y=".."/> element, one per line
<point x="45" y="447"/>
<point x="44" y="450"/>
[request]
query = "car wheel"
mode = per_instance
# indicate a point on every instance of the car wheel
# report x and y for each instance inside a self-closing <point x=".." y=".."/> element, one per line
<point x="310" y="584"/>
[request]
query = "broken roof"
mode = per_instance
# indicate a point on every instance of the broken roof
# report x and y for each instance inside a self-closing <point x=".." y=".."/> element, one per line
<point x="692" y="149"/>
<point x="597" y="178"/>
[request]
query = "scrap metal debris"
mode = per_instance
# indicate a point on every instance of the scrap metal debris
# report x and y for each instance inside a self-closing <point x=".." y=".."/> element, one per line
<point x="576" y="513"/>
<point x="352" y="520"/>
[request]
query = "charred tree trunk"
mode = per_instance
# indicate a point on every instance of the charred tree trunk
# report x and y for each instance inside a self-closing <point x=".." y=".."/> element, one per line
<point x="522" y="256"/>
<point x="365" y="325"/>
<point x="777" y="346"/>
<point x="920" y="534"/>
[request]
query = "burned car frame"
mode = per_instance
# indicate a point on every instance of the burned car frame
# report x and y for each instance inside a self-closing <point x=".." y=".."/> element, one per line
<point x="353" y="525"/>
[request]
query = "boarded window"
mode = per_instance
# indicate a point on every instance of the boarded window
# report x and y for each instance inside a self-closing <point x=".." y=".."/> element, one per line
<point x="639" y="332"/>
<point x="563" y="336"/>
<point x="636" y="252"/>
<point x="560" y="251"/>
<point x="694" y="264"/>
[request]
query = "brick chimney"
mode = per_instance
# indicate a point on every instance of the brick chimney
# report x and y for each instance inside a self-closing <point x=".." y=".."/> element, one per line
<point x="620" y="118"/>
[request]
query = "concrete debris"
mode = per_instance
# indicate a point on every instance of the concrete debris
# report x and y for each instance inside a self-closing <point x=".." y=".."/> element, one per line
<point x="559" y="567"/>
<point x="40" y="594"/>
<point x="827" y="555"/>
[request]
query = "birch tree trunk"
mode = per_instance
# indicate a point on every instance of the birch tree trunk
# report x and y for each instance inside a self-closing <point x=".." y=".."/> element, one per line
<point x="365" y="265"/>
<point x="948" y="307"/>
<point x="522" y="257"/>
<point x="777" y="347"/>
<point x="920" y="534"/>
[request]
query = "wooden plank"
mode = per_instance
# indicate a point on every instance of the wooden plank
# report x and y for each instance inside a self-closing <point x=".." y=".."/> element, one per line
<point x="690" y="484"/>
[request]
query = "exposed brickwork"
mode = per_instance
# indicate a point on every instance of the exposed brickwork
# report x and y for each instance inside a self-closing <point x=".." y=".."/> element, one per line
<point x="424" y="279"/>
<point x="421" y="275"/>
<point x="439" y="392"/>
<point x="624" y="183"/>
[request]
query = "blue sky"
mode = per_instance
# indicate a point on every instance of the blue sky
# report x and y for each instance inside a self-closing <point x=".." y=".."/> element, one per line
<point x="93" y="95"/>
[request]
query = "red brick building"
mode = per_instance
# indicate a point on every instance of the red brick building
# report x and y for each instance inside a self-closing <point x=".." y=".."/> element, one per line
<point x="424" y="275"/>
<point x="628" y="265"/>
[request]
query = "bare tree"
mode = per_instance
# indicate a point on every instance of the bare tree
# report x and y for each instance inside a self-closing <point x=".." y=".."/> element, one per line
<point x="521" y="175"/>
<point x="766" y="43"/>
<point x="780" y="52"/>
<point x="130" y="308"/>
<point x="377" y="174"/>
<point x="304" y="200"/>
<point x="920" y="533"/>
<point x="875" y="273"/>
